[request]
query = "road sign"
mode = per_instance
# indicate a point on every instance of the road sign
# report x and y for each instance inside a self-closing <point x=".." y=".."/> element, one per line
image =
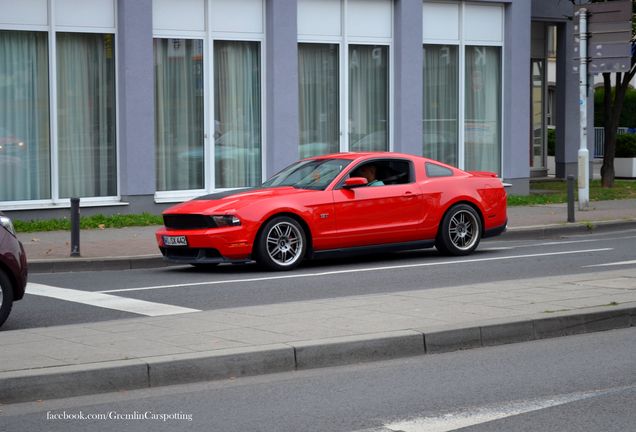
<point x="609" y="36"/>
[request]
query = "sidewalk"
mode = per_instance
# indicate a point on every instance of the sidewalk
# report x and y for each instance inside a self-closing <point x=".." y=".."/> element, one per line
<point x="109" y="356"/>
<point x="135" y="247"/>
<point x="56" y="362"/>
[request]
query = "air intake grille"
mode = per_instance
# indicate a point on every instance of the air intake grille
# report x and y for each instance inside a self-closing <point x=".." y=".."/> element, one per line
<point x="188" y="221"/>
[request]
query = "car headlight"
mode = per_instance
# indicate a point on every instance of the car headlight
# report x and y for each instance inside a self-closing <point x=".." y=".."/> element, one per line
<point x="226" y="220"/>
<point x="7" y="224"/>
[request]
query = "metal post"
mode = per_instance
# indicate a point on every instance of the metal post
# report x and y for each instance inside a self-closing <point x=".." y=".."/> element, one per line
<point x="584" y="154"/>
<point x="75" y="227"/>
<point x="570" y="198"/>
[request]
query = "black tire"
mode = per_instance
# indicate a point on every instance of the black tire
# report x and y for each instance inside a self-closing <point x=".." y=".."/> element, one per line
<point x="460" y="231"/>
<point x="6" y="297"/>
<point x="281" y="244"/>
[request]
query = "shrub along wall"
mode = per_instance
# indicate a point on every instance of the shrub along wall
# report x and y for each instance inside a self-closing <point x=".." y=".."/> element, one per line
<point x="626" y="146"/>
<point x="628" y="115"/>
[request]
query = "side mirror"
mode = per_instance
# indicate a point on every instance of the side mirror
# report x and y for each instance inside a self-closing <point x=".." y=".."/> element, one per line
<point x="355" y="182"/>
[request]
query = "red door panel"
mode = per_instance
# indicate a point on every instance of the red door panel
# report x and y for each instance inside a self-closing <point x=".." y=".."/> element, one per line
<point x="378" y="214"/>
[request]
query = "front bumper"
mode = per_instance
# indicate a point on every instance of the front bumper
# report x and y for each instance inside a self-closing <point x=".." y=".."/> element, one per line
<point x="207" y="246"/>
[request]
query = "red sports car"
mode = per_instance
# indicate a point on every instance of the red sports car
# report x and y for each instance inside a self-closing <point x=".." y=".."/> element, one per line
<point x="338" y="203"/>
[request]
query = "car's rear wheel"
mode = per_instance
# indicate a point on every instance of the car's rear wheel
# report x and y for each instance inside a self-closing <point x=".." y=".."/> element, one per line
<point x="281" y="244"/>
<point x="460" y="231"/>
<point x="6" y="297"/>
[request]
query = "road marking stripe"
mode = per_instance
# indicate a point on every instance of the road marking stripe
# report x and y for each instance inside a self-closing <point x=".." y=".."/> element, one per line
<point x="106" y="301"/>
<point x="461" y="419"/>
<point x="551" y="243"/>
<point x="358" y="270"/>
<point x="620" y="263"/>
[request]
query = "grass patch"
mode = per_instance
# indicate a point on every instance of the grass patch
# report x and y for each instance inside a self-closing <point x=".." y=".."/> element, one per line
<point x="555" y="191"/>
<point x="89" y="222"/>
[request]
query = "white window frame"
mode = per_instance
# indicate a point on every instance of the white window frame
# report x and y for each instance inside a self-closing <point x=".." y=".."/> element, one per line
<point x="209" y="36"/>
<point x="343" y="41"/>
<point x="51" y="29"/>
<point x="461" y="44"/>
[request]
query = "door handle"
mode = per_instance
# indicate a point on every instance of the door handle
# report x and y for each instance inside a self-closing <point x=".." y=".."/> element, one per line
<point x="409" y="194"/>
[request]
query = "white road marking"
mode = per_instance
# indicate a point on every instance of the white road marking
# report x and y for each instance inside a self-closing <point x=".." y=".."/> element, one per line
<point x="461" y="419"/>
<point x="552" y="243"/>
<point x="106" y="301"/>
<point x="358" y="270"/>
<point x="620" y="263"/>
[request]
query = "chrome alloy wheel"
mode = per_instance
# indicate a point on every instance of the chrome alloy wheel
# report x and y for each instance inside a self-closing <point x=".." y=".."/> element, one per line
<point x="284" y="244"/>
<point x="462" y="230"/>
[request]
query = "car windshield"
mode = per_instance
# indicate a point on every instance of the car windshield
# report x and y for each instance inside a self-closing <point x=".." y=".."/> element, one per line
<point x="309" y="174"/>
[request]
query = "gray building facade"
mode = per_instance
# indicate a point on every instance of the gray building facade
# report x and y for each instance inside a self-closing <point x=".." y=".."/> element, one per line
<point x="134" y="105"/>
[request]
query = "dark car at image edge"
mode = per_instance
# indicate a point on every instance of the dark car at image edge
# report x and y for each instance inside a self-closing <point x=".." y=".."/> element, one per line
<point x="13" y="268"/>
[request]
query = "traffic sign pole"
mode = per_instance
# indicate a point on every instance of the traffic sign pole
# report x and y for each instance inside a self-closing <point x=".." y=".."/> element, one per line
<point x="584" y="154"/>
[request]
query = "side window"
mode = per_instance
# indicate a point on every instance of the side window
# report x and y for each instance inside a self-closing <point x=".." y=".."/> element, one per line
<point x="385" y="172"/>
<point x="398" y="172"/>
<point x="434" y="170"/>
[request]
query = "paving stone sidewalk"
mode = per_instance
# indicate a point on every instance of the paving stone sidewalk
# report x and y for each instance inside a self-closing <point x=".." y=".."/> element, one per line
<point x="54" y="362"/>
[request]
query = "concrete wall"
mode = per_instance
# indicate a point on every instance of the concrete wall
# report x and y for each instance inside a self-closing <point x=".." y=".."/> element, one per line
<point x="516" y="105"/>
<point x="281" y="92"/>
<point x="408" y="85"/>
<point x="137" y="164"/>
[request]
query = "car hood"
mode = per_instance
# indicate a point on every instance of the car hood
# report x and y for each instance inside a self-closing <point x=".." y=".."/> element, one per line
<point x="230" y="201"/>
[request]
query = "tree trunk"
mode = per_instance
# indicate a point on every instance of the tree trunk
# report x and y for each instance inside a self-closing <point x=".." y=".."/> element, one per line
<point x="609" y="143"/>
<point x="612" y="118"/>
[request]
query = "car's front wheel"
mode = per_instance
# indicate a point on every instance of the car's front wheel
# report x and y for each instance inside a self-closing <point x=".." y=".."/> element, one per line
<point x="281" y="244"/>
<point x="460" y="231"/>
<point x="6" y="297"/>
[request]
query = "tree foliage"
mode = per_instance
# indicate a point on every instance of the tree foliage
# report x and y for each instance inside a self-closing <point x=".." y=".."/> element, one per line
<point x="613" y="101"/>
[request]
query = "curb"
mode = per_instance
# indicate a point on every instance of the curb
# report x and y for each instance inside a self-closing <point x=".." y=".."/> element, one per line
<point x="148" y="262"/>
<point x="96" y="264"/>
<point x="76" y="380"/>
<point x="567" y="228"/>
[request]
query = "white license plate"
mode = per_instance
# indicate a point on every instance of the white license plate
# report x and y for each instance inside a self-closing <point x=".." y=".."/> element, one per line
<point x="175" y="241"/>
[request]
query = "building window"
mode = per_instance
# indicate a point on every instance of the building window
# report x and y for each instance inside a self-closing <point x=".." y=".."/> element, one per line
<point x="441" y="103"/>
<point x="237" y="109"/>
<point x="25" y="152"/>
<point x="482" y="126"/>
<point x="344" y="64"/>
<point x="58" y="126"/>
<point x="319" y="90"/>
<point x="215" y="140"/>
<point x="368" y="98"/>
<point x="86" y="115"/>
<point x="462" y="118"/>
<point x="179" y="113"/>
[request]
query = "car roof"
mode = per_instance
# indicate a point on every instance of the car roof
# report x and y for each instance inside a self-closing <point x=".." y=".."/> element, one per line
<point x="360" y="155"/>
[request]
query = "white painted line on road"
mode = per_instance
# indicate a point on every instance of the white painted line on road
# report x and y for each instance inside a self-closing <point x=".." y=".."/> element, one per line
<point x="461" y="419"/>
<point x="551" y="243"/>
<point x="358" y="270"/>
<point x="106" y="301"/>
<point x="620" y="263"/>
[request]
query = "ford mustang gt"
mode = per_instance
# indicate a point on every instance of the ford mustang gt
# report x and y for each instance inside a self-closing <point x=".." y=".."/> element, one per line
<point x="335" y="204"/>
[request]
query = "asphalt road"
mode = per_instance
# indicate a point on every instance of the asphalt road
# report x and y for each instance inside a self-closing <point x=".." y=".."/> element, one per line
<point x="584" y="383"/>
<point x="245" y="285"/>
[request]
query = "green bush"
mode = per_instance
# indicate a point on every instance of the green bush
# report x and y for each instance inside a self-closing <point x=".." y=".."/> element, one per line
<point x="628" y="114"/>
<point x="626" y="145"/>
